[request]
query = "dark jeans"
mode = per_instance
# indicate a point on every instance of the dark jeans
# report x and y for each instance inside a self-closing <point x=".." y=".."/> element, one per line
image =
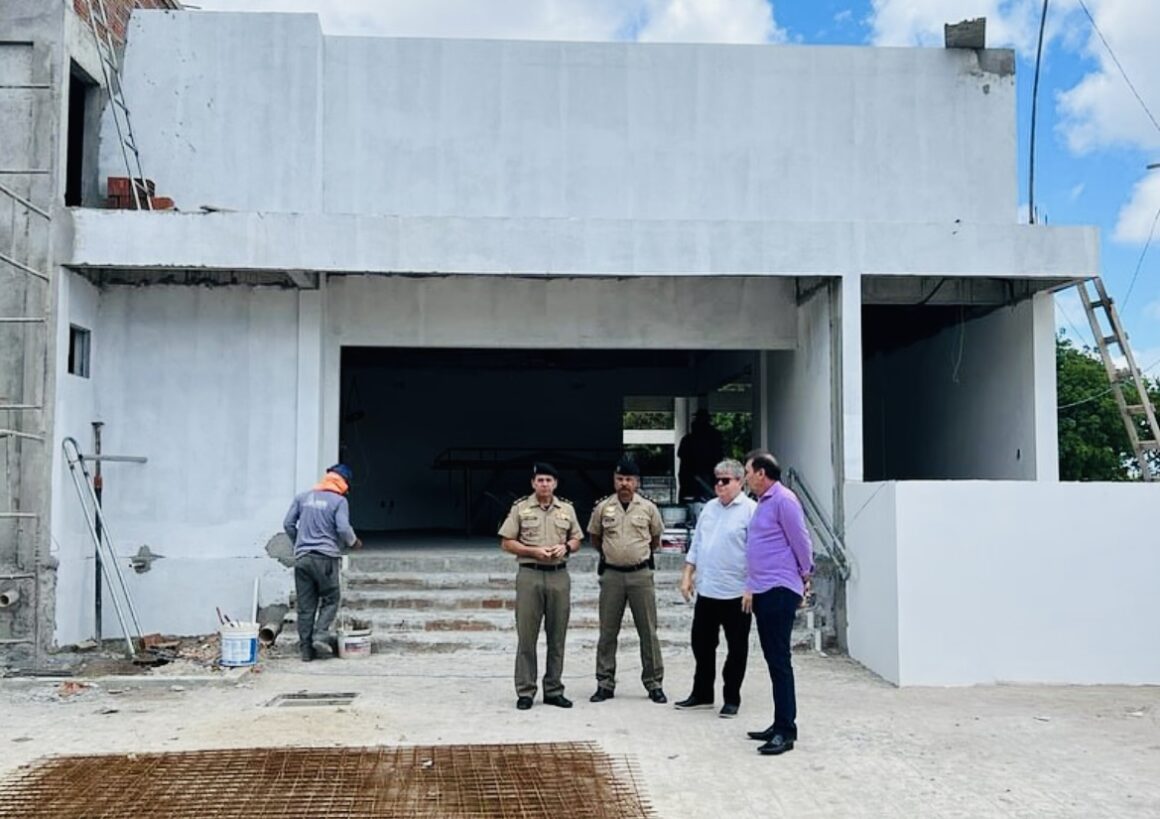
<point x="316" y="582"/>
<point x="774" y="611"/>
<point x="710" y="616"/>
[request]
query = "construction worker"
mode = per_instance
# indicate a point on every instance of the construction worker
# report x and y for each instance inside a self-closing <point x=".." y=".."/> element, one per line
<point x="541" y="530"/>
<point x="319" y="525"/>
<point x="626" y="529"/>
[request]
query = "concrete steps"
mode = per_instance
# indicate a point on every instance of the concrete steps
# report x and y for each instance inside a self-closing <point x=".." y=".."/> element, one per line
<point x="440" y="600"/>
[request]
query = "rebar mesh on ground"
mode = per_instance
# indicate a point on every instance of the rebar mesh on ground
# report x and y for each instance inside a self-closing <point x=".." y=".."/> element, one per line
<point x="573" y="780"/>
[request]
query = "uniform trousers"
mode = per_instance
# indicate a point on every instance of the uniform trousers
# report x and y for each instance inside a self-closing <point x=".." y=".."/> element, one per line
<point x="316" y="581"/>
<point x="541" y="596"/>
<point x="710" y="616"/>
<point x="636" y="589"/>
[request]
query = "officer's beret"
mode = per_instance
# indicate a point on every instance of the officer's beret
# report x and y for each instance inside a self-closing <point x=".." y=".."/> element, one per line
<point x="627" y="466"/>
<point x="544" y="468"/>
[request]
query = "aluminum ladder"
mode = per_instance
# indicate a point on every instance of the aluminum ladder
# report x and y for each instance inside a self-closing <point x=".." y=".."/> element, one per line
<point x="1140" y="417"/>
<point x="111" y="73"/>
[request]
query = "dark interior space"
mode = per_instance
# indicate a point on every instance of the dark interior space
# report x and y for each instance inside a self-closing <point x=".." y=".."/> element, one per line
<point x="81" y="89"/>
<point x="443" y="440"/>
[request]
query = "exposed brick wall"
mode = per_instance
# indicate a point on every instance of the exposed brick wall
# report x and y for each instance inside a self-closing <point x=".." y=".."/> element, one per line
<point x="118" y="12"/>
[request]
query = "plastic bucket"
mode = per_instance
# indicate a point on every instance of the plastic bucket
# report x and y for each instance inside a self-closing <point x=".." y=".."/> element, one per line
<point x="354" y="644"/>
<point x="239" y="644"/>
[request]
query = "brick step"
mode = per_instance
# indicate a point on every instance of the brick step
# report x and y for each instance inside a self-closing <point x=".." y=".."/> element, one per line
<point x="495" y="561"/>
<point x="384" y="620"/>
<point x="580" y="641"/>
<point x="482" y="581"/>
<point x="459" y="599"/>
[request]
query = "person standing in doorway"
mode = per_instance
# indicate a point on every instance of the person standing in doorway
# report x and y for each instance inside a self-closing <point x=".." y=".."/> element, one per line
<point x="780" y="561"/>
<point x="716" y="563"/>
<point x="318" y="523"/>
<point x="626" y="529"/>
<point x="541" y="530"/>
<point x="697" y="453"/>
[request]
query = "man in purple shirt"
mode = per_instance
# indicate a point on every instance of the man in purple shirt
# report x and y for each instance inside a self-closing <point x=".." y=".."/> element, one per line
<point x="780" y="561"/>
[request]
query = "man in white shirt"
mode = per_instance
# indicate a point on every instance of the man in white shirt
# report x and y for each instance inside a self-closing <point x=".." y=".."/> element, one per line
<point x="716" y="565"/>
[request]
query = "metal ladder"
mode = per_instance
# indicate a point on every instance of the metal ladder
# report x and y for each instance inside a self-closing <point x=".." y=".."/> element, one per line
<point x="28" y="257"/>
<point x="1139" y="418"/>
<point x="828" y="537"/>
<point x="111" y="73"/>
<point x="98" y="528"/>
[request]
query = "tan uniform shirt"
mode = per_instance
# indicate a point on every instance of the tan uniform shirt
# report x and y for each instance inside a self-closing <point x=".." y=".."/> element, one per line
<point x="626" y="534"/>
<point x="532" y="525"/>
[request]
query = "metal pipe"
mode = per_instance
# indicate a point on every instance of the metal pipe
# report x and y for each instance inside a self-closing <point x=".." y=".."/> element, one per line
<point x="9" y="597"/>
<point x="273" y="618"/>
<point x="98" y="578"/>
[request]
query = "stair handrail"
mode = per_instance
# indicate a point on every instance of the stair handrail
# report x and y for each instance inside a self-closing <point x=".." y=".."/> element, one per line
<point x="828" y="537"/>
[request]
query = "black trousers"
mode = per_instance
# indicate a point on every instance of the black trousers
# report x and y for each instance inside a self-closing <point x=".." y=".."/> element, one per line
<point x="774" y="611"/>
<point x="710" y="616"/>
<point x="316" y="580"/>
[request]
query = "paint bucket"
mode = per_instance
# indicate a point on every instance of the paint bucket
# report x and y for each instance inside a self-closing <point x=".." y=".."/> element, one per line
<point x="239" y="644"/>
<point x="354" y="644"/>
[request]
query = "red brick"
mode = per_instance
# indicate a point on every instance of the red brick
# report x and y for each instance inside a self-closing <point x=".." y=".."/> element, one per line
<point x="119" y="186"/>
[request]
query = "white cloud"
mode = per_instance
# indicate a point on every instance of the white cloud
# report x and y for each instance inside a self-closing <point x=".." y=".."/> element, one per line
<point x="1070" y="317"/>
<point x="711" y="21"/>
<point x="597" y="20"/>
<point x="1100" y="111"/>
<point x="1138" y="215"/>
<point x="1010" y="23"/>
<point x="1076" y="191"/>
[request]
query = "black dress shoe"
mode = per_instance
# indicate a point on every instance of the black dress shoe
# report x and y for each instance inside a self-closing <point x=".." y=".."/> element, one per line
<point x="778" y="744"/>
<point x="560" y="701"/>
<point x="693" y="702"/>
<point x="308" y="654"/>
<point x="728" y="711"/>
<point x="657" y="695"/>
<point x="601" y="695"/>
<point x="762" y="736"/>
<point x="524" y="703"/>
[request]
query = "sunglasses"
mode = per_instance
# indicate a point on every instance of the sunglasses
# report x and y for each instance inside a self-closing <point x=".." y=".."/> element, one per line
<point x="723" y="481"/>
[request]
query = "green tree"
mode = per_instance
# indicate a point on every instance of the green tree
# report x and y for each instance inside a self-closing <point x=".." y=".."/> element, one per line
<point x="1093" y="443"/>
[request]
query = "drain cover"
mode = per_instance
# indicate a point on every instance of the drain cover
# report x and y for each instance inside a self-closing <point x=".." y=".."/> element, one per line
<point x="303" y="698"/>
<point x="559" y="780"/>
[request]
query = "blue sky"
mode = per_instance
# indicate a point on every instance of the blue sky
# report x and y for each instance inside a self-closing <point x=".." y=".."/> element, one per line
<point x="1094" y="137"/>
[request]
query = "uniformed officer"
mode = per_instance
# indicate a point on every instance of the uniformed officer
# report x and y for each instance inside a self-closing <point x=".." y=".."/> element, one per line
<point x="626" y="529"/>
<point x="541" y="530"/>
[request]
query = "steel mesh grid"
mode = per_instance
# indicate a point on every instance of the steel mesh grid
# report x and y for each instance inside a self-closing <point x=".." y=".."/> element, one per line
<point x="571" y="780"/>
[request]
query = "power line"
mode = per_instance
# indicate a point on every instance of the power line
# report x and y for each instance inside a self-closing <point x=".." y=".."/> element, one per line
<point x="1116" y="60"/>
<point x="1091" y="398"/>
<point x="1140" y="261"/>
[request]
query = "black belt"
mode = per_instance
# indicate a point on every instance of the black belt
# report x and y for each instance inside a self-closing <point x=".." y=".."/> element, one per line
<point x="646" y="565"/>
<point x="541" y="567"/>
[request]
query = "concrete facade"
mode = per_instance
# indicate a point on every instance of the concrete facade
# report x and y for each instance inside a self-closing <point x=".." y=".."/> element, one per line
<point x="759" y="202"/>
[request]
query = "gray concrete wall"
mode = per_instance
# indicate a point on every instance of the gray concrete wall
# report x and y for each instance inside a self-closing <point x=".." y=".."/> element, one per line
<point x="958" y="405"/>
<point x="533" y="129"/>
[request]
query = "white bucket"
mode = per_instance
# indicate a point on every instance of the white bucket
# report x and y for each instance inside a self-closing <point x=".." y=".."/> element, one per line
<point x="239" y="644"/>
<point x="354" y="644"/>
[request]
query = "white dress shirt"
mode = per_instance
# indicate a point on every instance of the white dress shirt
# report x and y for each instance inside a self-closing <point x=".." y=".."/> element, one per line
<point x="718" y="548"/>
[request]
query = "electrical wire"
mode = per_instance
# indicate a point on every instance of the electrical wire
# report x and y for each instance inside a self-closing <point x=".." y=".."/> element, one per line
<point x="1116" y="60"/>
<point x="1091" y="398"/>
<point x="1034" y="111"/>
<point x="1140" y="261"/>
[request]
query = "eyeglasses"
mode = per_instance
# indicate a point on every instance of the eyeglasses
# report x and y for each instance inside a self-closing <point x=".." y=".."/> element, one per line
<point x="723" y="481"/>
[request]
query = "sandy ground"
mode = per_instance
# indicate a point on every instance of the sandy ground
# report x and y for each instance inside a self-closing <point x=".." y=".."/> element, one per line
<point x="866" y="748"/>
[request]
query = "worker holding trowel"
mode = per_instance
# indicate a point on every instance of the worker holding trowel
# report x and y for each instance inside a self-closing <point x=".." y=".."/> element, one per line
<point x="319" y="525"/>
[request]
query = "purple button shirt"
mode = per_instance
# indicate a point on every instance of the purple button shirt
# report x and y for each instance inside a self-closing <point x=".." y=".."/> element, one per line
<point x="777" y="548"/>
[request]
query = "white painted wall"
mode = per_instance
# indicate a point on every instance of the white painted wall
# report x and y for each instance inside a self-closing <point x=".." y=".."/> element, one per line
<point x="202" y="382"/>
<point x="1007" y="582"/>
<point x="872" y="603"/>
<point x="958" y="405"/>
<point x="519" y="129"/>
<point x="800" y="401"/>
<point x="76" y="399"/>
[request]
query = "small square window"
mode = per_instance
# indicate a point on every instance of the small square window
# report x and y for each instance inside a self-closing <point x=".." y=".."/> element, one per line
<point x="79" y="343"/>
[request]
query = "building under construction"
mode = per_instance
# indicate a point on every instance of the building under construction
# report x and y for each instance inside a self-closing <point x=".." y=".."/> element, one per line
<point x="434" y="259"/>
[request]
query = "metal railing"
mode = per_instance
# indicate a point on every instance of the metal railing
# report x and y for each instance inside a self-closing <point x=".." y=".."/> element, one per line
<point x="827" y="535"/>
